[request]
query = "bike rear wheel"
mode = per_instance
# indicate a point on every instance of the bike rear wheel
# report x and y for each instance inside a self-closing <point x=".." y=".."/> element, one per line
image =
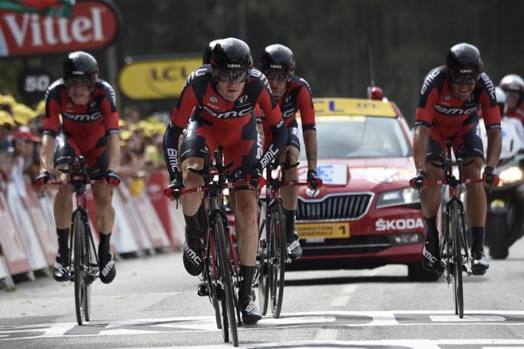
<point x="457" y="236"/>
<point x="228" y="301"/>
<point x="277" y="257"/>
<point x="212" y="280"/>
<point x="88" y="262"/>
<point x="80" y="262"/>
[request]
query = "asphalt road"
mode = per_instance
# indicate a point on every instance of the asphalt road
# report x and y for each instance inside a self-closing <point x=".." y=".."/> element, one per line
<point x="153" y="303"/>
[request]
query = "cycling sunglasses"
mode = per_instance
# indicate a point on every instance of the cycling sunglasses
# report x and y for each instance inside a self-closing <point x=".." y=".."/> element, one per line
<point x="79" y="81"/>
<point x="230" y="75"/>
<point x="274" y="74"/>
<point x="464" y="79"/>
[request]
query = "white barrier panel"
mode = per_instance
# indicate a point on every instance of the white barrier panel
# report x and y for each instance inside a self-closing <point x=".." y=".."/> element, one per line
<point x="134" y="217"/>
<point x="46" y="202"/>
<point x="123" y="235"/>
<point x="4" y="274"/>
<point x="10" y="241"/>
<point x="154" y="227"/>
<point x="46" y="234"/>
<point x="178" y="222"/>
<point x="25" y="228"/>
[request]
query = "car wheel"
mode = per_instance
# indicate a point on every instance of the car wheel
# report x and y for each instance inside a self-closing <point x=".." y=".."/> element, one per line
<point x="417" y="273"/>
<point x="497" y="229"/>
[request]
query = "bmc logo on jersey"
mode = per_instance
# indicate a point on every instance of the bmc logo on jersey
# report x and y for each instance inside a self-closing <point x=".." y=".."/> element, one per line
<point x="453" y="111"/>
<point x="489" y="85"/>
<point x="229" y="114"/>
<point x="431" y="76"/>
<point x="257" y="74"/>
<point x="194" y="74"/>
<point x="82" y="117"/>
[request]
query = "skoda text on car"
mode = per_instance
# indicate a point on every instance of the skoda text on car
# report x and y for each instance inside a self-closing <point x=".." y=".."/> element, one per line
<point x="366" y="215"/>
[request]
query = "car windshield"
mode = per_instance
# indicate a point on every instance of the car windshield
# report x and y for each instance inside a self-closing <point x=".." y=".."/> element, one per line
<point x="360" y="137"/>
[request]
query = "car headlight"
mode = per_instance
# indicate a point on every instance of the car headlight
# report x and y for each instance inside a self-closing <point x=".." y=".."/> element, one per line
<point x="406" y="196"/>
<point x="511" y="175"/>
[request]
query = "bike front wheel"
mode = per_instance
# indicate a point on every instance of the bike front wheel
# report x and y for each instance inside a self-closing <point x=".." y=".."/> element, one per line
<point x="277" y="257"/>
<point x="229" y="311"/>
<point x="457" y="236"/>
<point x="263" y="262"/>
<point x="81" y="260"/>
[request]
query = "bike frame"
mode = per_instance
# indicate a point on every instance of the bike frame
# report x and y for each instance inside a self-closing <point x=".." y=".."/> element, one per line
<point x="454" y="248"/>
<point x="79" y="179"/>
<point x="214" y="184"/>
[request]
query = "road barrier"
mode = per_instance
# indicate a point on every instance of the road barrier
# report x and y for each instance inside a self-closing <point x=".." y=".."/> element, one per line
<point x="145" y="223"/>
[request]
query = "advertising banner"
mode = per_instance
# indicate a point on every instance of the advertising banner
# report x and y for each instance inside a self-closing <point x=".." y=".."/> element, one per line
<point x="92" y="25"/>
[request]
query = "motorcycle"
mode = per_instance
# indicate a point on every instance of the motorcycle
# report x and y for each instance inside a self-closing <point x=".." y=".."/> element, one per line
<point x="505" y="215"/>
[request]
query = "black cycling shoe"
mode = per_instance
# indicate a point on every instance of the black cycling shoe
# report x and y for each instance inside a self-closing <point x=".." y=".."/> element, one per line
<point x="479" y="265"/>
<point x="294" y="250"/>
<point x="250" y="313"/>
<point x="61" y="268"/>
<point x="431" y="256"/>
<point x="107" y="267"/>
<point x="193" y="256"/>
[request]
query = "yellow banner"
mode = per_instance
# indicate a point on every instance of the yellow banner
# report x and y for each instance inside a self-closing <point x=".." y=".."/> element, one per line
<point x="156" y="79"/>
<point x="323" y="230"/>
<point x="352" y="106"/>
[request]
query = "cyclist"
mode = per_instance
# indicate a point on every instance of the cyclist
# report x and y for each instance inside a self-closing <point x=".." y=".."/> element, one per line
<point x="216" y="108"/>
<point x="450" y="97"/>
<point x="89" y="128"/>
<point x="293" y="94"/>
<point x="513" y="87"/>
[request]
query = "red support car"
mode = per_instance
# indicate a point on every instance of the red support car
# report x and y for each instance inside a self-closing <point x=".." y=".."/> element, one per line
<point x="366" y="215"/>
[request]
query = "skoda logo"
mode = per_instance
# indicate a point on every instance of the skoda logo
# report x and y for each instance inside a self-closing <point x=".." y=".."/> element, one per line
<point x="312" y="193"/>
<point x="213" y="99"/>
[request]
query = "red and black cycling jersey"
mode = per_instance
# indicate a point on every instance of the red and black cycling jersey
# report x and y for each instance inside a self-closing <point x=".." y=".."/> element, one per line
<point x="446" y="114"/>
<point x="200" y="99"/>
<point x="298" y="97"/>
<point x="86" y="124"/>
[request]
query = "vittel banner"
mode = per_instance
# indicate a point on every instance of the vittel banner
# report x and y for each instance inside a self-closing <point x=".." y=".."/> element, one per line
<point x="92" y="25"/>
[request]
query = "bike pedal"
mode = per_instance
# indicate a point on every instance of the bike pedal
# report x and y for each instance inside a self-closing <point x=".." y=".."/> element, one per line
<point x="202" y="290"/>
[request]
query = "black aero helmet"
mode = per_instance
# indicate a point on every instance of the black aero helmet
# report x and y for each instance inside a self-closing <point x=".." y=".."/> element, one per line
<point x="64" y="154"/>
<point x="278" y="57"/>
<point x="463" y="63"/>
<point x="80" y="66"/>
<point x="231" y="60"/>
<point x="206" y="57"/>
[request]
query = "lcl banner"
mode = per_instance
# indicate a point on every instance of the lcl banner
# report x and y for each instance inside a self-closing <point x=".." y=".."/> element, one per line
<point x="149" y="79"/>
<point x="92" y="25"/>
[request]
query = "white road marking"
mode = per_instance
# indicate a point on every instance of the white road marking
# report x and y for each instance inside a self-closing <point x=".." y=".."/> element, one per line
<point x="325" y="322"/>
<point x="342" y="301"/>
<point x="339" y="301"/>
<point x="327" y="334"/>
<point x="466" y="318"/>
<point x="409" y="343"/>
